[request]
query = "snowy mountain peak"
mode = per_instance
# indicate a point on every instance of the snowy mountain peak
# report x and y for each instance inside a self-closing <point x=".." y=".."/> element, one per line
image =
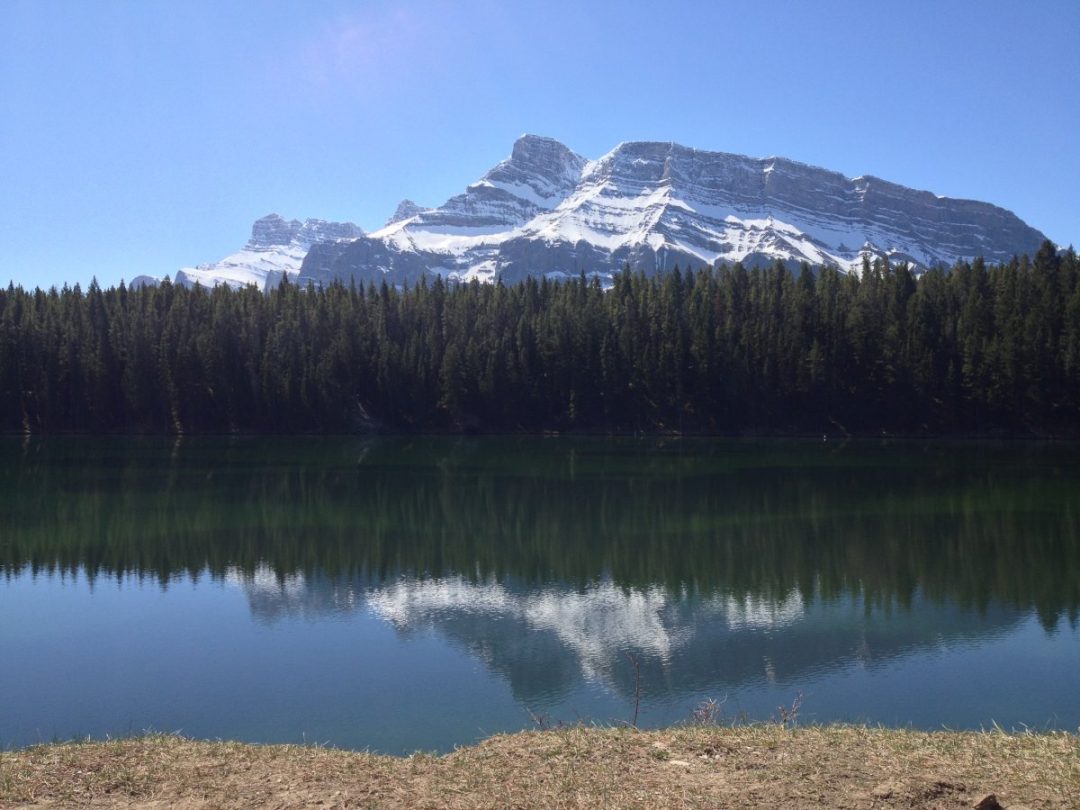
<point x="540" y="171"/>
<point x="276" y="250"/>
<point x="405" y="210"/>
<point x="273" y="229"/>
<point x="543" y="157"/>
<point x="537" y="176"/>
<point x="547" y="211"/>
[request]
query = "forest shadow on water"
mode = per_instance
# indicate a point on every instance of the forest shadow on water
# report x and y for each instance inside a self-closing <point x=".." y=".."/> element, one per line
<point x="972" y="522"/>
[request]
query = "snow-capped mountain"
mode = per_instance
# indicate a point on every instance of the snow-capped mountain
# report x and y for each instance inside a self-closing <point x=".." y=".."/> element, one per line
<point x="276" y="249"/>
<point x="546" y="210"/>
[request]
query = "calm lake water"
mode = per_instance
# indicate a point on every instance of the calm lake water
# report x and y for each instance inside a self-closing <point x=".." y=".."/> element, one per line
<point x="403" y="594"/>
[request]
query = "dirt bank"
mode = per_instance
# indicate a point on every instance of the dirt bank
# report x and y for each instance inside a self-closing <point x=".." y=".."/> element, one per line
<point x="758" y="766"/>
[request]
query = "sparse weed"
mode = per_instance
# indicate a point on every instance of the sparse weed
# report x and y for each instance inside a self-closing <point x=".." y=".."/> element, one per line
<point x="541" y="720"/>
<point x="789" y="715"/>
<point x="709" y="712"/>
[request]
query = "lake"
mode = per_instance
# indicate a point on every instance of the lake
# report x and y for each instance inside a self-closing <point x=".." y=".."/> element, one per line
<point x="397" y="594"/>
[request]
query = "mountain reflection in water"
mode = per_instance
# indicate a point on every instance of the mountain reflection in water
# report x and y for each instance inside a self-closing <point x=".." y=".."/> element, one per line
<point x="404" y="593"/>
<point x="545" y="641"/>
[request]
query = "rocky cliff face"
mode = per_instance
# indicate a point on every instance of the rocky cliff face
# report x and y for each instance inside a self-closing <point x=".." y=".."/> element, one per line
<point x="276" y="250"/>
<point x="547" y="211"/>
<point x="405" y="209"/>
<point x="274" y="230"/>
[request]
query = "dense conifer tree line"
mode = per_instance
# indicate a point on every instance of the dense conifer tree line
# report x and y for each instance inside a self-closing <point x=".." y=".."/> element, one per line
<point x="968" y="349"/>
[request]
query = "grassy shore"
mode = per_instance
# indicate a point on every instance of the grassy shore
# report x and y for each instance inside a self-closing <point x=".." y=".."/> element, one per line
<point x="751" y="766"/>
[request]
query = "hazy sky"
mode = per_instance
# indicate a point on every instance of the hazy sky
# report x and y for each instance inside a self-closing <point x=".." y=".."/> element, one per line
<point x="141" y="136"/>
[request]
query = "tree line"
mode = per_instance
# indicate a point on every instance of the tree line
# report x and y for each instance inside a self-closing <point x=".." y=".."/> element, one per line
<point x="969" y="349"/>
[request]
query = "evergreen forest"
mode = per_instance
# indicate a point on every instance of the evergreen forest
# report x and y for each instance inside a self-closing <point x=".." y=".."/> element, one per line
<point x="972" y="349"/>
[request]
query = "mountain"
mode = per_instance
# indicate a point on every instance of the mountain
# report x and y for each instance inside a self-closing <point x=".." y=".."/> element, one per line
<point x="405" y="209"/>
<point x="545" y="642"/>
<point x="142" y="281"/>
<point x="276" y="249"/>
<point x="547" y="210"/>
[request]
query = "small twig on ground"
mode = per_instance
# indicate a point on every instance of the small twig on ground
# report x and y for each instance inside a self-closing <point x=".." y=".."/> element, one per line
<point x="636" y="663"/>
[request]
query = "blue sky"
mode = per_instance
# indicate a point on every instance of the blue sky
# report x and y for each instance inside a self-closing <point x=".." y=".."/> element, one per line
<point x="141" y="136"/>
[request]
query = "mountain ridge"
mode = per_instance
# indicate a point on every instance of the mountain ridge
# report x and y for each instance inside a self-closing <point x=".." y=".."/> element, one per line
<point x="276" y="249"/>
<point x="548" y="211"/>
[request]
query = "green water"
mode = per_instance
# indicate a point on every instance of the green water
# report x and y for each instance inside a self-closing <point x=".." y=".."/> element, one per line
<point x="418" y="593"/>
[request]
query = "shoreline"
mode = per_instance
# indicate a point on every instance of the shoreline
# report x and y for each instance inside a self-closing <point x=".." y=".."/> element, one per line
<point x="688" y="766"/>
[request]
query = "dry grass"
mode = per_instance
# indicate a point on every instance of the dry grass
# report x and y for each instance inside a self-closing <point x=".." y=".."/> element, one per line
<point x="754" y="766"/>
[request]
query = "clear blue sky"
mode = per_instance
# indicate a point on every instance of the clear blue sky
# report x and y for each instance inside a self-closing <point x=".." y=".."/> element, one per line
<point x="140" y="136"/>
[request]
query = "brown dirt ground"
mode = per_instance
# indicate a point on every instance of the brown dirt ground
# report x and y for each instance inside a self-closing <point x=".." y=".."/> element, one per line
<point x="687" y="767"/>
